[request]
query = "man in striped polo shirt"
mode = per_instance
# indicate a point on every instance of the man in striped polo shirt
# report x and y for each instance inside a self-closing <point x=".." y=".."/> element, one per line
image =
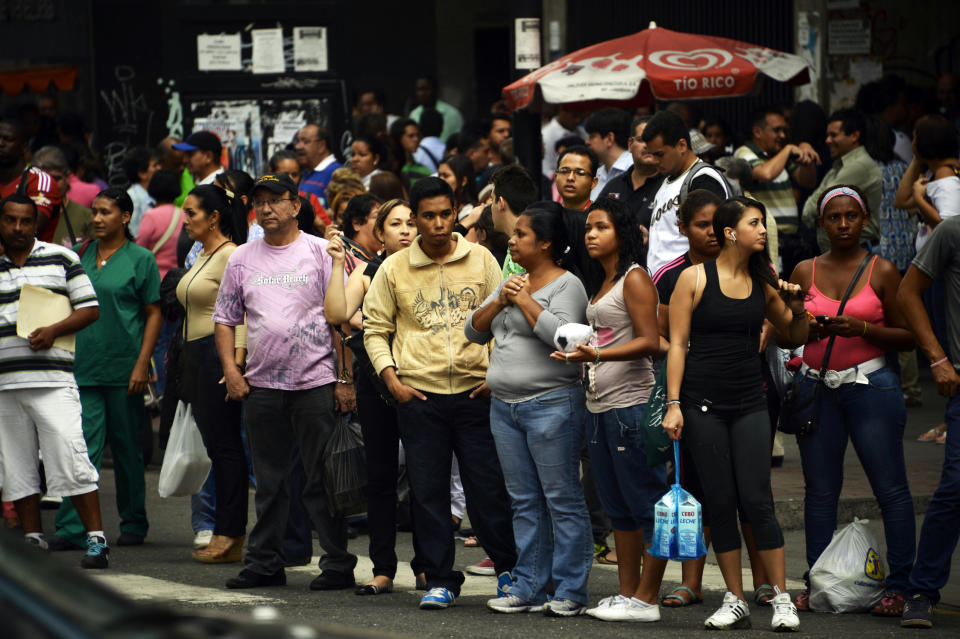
<point x="777" y="166"/>
<point x="39" y="404"/>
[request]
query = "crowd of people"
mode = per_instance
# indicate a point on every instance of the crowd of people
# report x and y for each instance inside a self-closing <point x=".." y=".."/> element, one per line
<point x="422" y="284"/>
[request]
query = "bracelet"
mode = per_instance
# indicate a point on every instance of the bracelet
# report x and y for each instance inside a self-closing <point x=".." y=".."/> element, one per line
<point x="672" y="402"/>
<point x="344" y="381"/>
<point x="938" y="362"/>
<point x="864" y="330"/>
<point x="597" y="361"/>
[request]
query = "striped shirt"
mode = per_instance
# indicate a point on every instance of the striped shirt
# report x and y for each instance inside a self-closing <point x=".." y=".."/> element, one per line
<point x="54" y="268"/>
<point x="776" y="195"/>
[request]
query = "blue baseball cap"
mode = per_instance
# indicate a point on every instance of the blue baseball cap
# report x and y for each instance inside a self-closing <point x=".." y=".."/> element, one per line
<point x="201" y="141"/>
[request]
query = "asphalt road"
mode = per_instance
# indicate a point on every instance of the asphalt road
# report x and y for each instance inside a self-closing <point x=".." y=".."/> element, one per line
<point x="161" y="570"/>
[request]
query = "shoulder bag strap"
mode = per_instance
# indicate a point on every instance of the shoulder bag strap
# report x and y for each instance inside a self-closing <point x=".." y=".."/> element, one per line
<point x="186" y="295"/>
<point x="843" y="303"/>
<point x="170" y="229"/>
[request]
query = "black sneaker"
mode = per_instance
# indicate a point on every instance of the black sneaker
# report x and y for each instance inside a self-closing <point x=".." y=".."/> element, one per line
<point x="917" y="612"/>
<point x="129" y="539"/>
<point x="97" y="552"/>
<point x="250" y="579"/>
<point x="59" y="544"/>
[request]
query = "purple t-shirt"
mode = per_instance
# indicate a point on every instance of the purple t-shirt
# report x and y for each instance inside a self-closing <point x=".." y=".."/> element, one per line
<point x="280" y="290"/>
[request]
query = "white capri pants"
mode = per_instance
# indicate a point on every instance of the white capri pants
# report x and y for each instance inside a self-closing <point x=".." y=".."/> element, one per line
<point x="47" y="420"/>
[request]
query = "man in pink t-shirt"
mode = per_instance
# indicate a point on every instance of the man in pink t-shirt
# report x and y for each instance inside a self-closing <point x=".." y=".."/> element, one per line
<point x="290" y="386"/>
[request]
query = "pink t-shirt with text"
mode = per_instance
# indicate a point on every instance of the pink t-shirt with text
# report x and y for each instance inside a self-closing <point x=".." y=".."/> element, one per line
<point x="280" y="290"/>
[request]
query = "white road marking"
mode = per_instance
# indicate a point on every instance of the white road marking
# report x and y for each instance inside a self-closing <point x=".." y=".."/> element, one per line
<point x="405" y="580"/>
<point x="141" y="587"/>
<point x="149" y="588"/>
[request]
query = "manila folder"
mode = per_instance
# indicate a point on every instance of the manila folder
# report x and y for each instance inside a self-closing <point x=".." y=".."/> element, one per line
<point x="41" y="307"/>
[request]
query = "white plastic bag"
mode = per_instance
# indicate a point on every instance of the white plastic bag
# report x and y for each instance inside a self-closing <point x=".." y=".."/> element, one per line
<point x="849" y="575"/>
<point x="185" y="462"/>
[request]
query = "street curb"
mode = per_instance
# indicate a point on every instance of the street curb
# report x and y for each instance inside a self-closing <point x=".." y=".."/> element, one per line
<point x="790" y="511"/>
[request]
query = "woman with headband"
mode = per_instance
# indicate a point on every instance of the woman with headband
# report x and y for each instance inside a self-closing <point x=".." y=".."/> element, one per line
<point x="861" y="396"/>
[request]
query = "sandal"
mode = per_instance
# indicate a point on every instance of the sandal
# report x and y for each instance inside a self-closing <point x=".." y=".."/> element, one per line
<point x="764" y="594"/>
<point x="931" y="435"/>
<point x="372" y="589"/>
<point x="604" y="557"/>
<point x="802" y="602"/>
<point x="891" y="605"/>
<point x="678" y="595"/>
<point x="471" y="542"/>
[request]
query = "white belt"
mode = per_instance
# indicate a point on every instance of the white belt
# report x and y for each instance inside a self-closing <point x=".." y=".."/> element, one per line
<point x="853" y="375"/>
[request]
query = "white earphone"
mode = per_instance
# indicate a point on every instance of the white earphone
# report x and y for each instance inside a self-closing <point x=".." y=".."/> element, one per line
<point x="733" y="236"/>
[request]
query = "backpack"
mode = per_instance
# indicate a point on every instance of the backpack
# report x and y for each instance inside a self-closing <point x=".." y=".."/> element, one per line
<point x="732" y="188"/>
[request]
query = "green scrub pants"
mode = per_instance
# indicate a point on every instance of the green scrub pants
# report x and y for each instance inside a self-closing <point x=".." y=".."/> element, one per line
<point x="109" y="414"/>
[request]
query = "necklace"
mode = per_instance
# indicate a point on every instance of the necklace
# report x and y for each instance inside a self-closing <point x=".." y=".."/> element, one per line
<point x="102" y="259"/>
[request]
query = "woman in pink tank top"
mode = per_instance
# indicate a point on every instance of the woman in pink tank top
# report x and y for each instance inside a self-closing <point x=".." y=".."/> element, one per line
<point x="861" y="397"/>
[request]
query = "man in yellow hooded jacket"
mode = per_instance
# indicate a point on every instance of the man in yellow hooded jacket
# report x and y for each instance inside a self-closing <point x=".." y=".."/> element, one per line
<point x="420" y="297"/>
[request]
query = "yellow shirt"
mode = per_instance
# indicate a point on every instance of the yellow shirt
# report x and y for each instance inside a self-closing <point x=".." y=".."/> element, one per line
<point x="424" y="306"/>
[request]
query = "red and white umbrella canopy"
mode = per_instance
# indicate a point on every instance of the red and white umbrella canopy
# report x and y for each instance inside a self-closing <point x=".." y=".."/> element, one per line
<point x="676" y="66"/>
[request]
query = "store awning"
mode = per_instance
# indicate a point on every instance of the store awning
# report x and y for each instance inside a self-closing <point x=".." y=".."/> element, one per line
<point x="13" y="81"/>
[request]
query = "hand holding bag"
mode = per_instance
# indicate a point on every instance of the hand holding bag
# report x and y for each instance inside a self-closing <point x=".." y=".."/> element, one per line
<point x="799" y="412"/>
<point x="185" y="462"/>
<point x="678" y="522"/>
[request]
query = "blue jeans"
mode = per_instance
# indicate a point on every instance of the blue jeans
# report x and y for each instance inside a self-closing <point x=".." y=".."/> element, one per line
<point x="626" y="486"/>
<point x="872" y="416"/>
<point x="167" y="331"/>
<point x="538" y="443"/>
<point x="941" y="525"/>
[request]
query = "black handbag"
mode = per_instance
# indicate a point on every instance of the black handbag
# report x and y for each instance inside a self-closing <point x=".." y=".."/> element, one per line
<point x="362" y="361"/>
<point x="800" y="410"/>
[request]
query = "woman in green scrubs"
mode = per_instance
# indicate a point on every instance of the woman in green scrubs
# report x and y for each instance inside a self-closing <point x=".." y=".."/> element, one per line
<point x="112" y="364"/>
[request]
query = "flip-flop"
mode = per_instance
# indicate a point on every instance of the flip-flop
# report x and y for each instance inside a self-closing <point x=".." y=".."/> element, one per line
<point x="931" y="435"/>
<point x="765" y="590"/>
<point x="372" y="589"/>
<point x="694" y="599"/>
<point x="601" y="558"/>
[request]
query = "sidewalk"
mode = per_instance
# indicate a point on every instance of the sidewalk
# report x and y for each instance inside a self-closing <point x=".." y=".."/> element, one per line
<point x="924" y="461"/>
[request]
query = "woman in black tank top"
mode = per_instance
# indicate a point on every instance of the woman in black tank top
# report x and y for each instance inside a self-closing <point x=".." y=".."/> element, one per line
<point x="714" y="395"/>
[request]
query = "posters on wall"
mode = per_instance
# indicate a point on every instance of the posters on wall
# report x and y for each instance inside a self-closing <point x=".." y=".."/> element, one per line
<point x="309" y="49"/>
<point x="253" y="130"/>
<point x="848" y="37"/>
<point x="267" y="54"/>
<point x="527" y="43"/>
<point x="220" y="52"/>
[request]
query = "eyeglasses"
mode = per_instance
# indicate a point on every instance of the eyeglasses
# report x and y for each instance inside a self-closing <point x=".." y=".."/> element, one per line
<point x="566" y="170"/>
<point x="259" y="205"/>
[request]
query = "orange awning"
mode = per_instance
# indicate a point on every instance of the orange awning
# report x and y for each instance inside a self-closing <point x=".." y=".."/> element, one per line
<point x="37" y="79"/>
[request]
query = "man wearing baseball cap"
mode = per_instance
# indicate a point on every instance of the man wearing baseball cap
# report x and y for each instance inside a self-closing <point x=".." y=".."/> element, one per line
<point x="203" y="150"/>
<point x="290" y="385"/>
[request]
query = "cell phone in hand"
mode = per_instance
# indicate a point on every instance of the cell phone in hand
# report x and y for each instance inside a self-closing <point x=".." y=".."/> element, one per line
<point x="824" y="319"/>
